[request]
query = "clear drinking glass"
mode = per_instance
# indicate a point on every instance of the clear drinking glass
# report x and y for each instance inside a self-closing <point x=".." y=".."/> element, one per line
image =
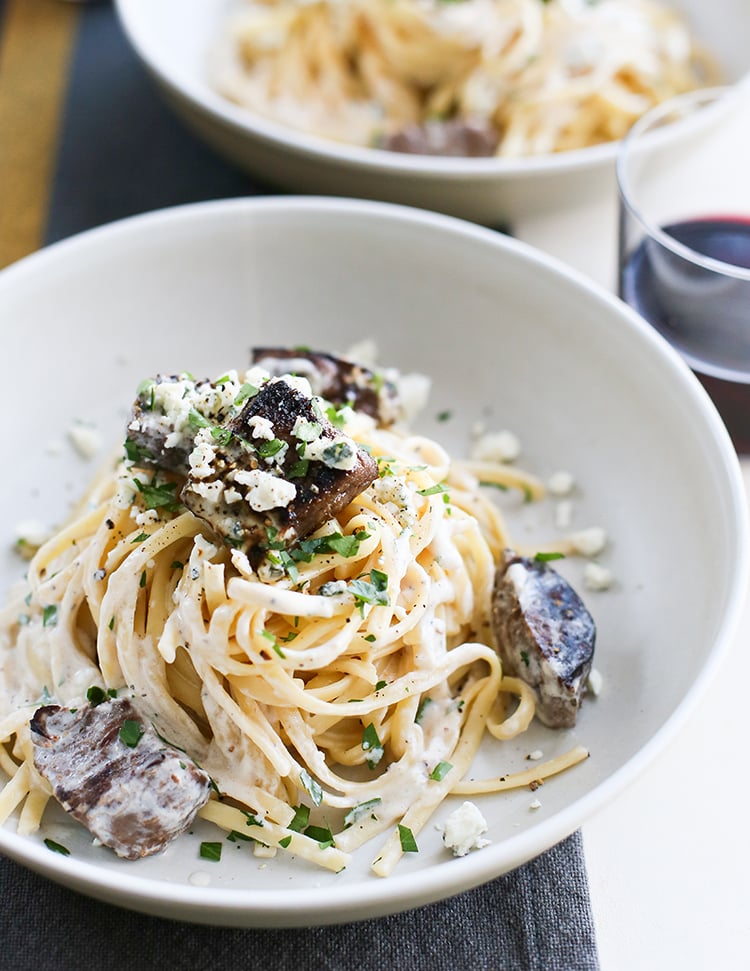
<point x="683" y="175"/>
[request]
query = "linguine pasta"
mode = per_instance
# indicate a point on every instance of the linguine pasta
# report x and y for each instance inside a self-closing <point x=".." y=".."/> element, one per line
<point x="335" y="692"/>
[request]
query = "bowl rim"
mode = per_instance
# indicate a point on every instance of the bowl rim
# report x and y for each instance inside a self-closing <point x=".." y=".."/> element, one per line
<point x="401" y="891"/>
<point x="246" y="122"/>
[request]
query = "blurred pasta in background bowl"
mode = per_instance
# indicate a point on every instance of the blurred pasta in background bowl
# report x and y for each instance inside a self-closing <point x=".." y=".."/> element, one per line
<point x="492" y="110"/>
<point x="467" y="78"/>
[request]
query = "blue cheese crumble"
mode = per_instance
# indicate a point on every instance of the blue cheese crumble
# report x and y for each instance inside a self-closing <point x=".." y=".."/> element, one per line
<point x="464" y="829"/>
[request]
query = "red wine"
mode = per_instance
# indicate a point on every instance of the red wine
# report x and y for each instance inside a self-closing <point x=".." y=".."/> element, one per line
<point x="704" y="314"/>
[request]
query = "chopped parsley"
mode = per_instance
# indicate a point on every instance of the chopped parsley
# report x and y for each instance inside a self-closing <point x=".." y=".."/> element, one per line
<point x="433" y="490"/>
<point x="235" y="837"/>
<point x="361" y="809"/>
<point x="146" y="392"/>
<point x="311" y="787"/>
<point x="136" y="453"/>
<point x="440" y="771"/>
<point x="321" y="835"/>
<point x="335" y="416"/>
<point x="422" y="709"/>
<point x="95" y="695"/>
<point x="196" y="419"/>
<point x="268" y="448"/>
<point x="140" y="538"/>
<point x="57" y="847"/>
<point x="525" y="657"/>
<point x="301" y="818"/>
<point x="345" y="544"/>
<point x="131" y="732"/>
<point x="245" y="392"/>
<point x="283" y="559"/>
<point x="372" y="745"/>
<point x="408" y="843"/>
<point x="158" y="495"/>
<point x="274" y="643"/>
<point x="49" y="615"/>
<point x="546" y="557"/>
<point x="298" y="469"/>
<point x="251" y="819"/>
<point x="284" y="843"/>
<point x="373" y="591"/>
<point x="222" y="435"/>
<point x="210" y="851"/>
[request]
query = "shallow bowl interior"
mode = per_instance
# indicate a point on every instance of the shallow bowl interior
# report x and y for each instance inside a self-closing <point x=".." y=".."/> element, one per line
<point x="509" y="338"/>
<point x="174" y="39"/>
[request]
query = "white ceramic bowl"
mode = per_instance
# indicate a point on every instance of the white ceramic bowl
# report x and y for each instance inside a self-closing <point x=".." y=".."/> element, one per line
<point x="173" y="38"/>
<point x="508" y="336"/>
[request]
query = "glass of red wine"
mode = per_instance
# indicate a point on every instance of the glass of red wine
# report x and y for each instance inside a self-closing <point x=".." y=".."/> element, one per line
<point x="683" y="175"/>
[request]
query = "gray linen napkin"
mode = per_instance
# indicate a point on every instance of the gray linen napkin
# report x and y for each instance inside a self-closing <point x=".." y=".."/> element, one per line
<point x="536" y="918"/>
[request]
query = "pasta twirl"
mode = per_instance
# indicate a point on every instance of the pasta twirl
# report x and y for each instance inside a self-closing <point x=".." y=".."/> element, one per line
<point x="336" y="692"/>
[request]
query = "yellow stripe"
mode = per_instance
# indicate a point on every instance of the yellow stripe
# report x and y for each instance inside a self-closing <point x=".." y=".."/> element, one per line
<point x="35" y="51"/>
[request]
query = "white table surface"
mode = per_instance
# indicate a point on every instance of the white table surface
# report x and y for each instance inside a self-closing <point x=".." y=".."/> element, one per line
<point x="669" y="859"/>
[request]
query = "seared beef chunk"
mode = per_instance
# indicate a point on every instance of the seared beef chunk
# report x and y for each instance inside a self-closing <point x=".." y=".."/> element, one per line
<point x="545" y="636"/>
<point x="457" y="137"/>
<point x="280" y="471"/>
<point x="112" y="772"/>
<point x="338" y="381"/>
